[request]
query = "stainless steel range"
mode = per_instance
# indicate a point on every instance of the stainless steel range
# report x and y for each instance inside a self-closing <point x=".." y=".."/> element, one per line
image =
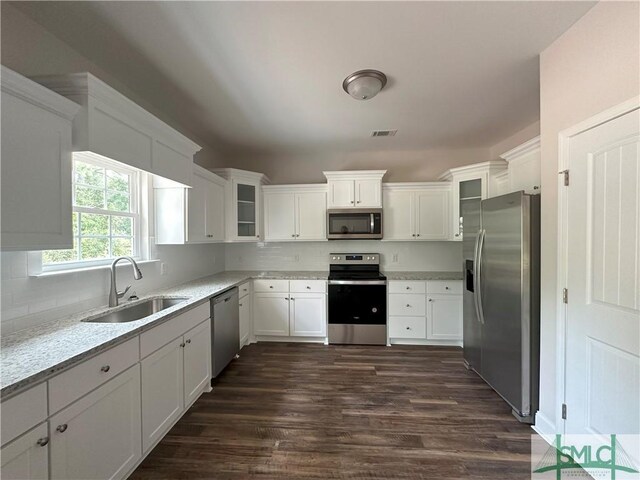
<point x="357" y="299"/>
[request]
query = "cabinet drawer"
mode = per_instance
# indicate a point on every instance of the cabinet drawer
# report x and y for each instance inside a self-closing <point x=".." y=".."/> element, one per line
<point x="77" y="381"/>
<point x="244" y="289"/>
<point x="407" y="327"/>
<point x="308" y="286"/>
<point x="267" y="286"/>
<point x="445" y="286"/>
<point x="162" y="334"/>
<point x="406" y="304"/>
<point x="403" y="286"/>
<point x="23" y="411"/>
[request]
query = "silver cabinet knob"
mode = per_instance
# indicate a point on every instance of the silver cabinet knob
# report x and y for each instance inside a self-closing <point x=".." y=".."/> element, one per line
<point x="417" y="235"/>
<point x="239" y="304"/>
<point x="189" y="340"/>
<point x="270" y="286"/>
<point x="293" y="234"/>
<point x="182" y="344"/>
<point x="308" y="287"/>
<point x="351" y="201"/>
<point x="62" y="428"/>
<point x="408" y="328"/>
<point x="105" y="368"/>
<point x="408" y="288"/>
<point x="431" y="299"/>
<point x="43" y="441"/>
<point x="457" y="235"/>
<point x="536" y="187"/>
<point x="286" y="298"/>
<point x="358" y="201"/>
<point x="209" y="235"/>
<point x="408" y="305"/>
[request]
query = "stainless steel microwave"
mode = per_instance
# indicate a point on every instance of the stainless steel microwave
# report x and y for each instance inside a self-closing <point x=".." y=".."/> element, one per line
<point x="354" y="223"/>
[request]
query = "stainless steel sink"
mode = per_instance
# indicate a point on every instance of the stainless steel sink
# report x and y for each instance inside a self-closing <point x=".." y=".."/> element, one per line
<point x="138" y="311"/>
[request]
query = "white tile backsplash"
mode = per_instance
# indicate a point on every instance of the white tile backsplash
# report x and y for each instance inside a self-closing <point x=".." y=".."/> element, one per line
<point x="395" y="256"/>
<point x="29" y="301"/>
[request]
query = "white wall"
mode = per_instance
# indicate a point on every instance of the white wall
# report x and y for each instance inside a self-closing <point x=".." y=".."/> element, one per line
<point x="593" y="66"/>
<point x="29" y="301"/>
<point x="418" y="256"/>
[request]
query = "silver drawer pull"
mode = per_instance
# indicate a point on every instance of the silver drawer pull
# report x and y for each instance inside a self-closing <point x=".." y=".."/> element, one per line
<point x="189" y="340"/>
<point x="408" y="328"/>
<point x="62" y="428"/>
<point x="43" y="441"/>
<point x="209" y="236"/>
<point x="182" y="344"/>
<point x="105" y="369"/>
<point x="308" y="287"/>
<point x="270" y="286"/>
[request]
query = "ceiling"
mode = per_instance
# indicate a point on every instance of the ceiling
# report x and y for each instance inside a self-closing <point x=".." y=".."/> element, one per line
<point x="265" y="77"/>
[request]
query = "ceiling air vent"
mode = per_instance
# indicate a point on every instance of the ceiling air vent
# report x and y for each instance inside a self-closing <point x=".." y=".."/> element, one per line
<point x="384" y="133"/>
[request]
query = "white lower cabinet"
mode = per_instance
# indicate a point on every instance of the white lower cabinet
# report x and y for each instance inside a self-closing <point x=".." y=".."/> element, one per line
<point x="99" y="436"/>
<point x="444" y="317"/>
<point x="245" y="320"/>
<point x="272" y="314"/>
<point x="429" y="313"/>
<point x="197" y="361"/>
<point x="296" y="308"/>
<point x="27" y="456"/>
<point x="308" y="315"/>
<point x="162" y="391"/>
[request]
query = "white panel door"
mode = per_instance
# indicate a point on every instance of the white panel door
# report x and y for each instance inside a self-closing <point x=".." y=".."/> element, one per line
<point x="162" y="391"/>
<point x="341" y="193"/>
<point x="271" y="314"/>
<point x="99" y="435"/>
<point x="399" y="215"/>
<point x="311" y="216"/>
<point x="245" y="320"/>
<point x="197" y="361"/>
<point x="197" y="209"/>
<point x="432" y="215"/>
<point x="308" y="315"/>
<point x="215" y="213"/>
<point x="368" y="193"/>
<point x="444" y="317"/>
<point x="603" y="279"/>
<point x="27" y="457"/>
<point x="279" y="216"/>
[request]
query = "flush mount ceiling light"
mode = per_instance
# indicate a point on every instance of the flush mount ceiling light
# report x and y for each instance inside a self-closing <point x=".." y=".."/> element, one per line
<point x="364" y="84"/>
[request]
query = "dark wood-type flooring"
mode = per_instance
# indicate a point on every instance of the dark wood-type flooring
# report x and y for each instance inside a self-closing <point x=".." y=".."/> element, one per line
<point x="298" y="411"/>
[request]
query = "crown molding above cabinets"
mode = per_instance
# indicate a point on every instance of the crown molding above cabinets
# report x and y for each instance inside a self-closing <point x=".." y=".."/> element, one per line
<point x="355" y="188"/>
<point x="111" y="125"/>
<point x="36" y="165"/>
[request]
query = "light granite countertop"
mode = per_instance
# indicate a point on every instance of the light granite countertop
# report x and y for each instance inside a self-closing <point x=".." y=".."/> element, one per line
<point x="423" y="275"/>
<point x="32" y="355"/>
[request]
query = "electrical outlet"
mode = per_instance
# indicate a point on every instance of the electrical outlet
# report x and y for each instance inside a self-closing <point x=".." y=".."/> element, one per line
<point x="395" y="258"/>
<point x="163" y="268"/>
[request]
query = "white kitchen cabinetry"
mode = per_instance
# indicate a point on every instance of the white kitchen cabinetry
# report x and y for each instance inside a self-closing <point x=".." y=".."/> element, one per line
<point x="296" y="308"/>
<point x="355" y="188"/>
<point x="99" y="436"/>
<point x="416" y="211"/>
<point x="243" y="204"/>
<point x="190" y="215"/>
<point x="36" y="165"/>
<point x="28" y="456"/>
<point x="524" y="167"/>
<point x="295" y="212"/>
<point x="425" y="312"/>
<point x="197" y="361"/>
<point x="112" y="126"/>
<point x="245" y="306"/>
<point x="470" y="183"/>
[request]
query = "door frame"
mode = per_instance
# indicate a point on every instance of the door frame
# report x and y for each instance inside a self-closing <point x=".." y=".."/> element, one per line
<point x="564" y="151"/>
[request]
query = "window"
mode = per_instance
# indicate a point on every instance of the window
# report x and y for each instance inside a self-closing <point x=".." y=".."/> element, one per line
<point x="106" y="218"/>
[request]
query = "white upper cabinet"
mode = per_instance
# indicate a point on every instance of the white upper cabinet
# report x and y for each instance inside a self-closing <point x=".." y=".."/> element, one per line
<point x="355" y="188"/>
<point x="113" y="126"/>
<point x="295" y="212"/>
<point x="191" y="215"/>
<point x="36" y="165"/>
<point x="471" y="183"/>
<point x="416" y="211"/>
<point x="524" y="167"/>
<point x="243" y="204"/>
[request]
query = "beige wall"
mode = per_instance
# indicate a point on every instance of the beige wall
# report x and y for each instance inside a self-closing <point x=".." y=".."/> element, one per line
<point x="402" y="166"/>
<point x="593" y="66"/>
<point x="29" y="49"/>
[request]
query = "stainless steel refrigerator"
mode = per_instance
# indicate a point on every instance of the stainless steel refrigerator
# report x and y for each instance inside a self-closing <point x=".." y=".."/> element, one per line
<point x="502" y="297"/>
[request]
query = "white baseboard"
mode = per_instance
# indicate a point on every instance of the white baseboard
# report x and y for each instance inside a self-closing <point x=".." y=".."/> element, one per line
<point x="411" y="341"/>
<point x="544" y="427"/>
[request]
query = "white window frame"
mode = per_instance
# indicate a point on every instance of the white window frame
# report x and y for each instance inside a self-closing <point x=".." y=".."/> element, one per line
<point x="136" y="189"/>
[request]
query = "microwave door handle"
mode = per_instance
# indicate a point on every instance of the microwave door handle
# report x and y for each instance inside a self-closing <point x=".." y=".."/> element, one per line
<point x="372" y="224"/>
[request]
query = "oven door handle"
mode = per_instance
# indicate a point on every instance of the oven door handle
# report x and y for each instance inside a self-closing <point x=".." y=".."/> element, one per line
<point x="357" y="282"/>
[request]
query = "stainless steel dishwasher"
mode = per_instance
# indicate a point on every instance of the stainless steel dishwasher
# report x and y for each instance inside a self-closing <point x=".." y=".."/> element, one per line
<point x="225" y="334"/>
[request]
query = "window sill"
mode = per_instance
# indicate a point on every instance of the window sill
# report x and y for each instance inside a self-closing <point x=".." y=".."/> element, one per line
<point x="71" y="271"/>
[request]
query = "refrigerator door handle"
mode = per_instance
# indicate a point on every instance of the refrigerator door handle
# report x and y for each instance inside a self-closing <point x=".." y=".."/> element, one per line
<point x="477" y="277"/>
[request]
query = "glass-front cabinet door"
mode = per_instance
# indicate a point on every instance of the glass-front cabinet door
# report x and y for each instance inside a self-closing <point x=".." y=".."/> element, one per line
<point x="246" y="204"/>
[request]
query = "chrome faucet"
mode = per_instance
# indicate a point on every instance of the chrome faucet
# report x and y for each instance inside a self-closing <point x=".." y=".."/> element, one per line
<point x="114" y="294"/>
